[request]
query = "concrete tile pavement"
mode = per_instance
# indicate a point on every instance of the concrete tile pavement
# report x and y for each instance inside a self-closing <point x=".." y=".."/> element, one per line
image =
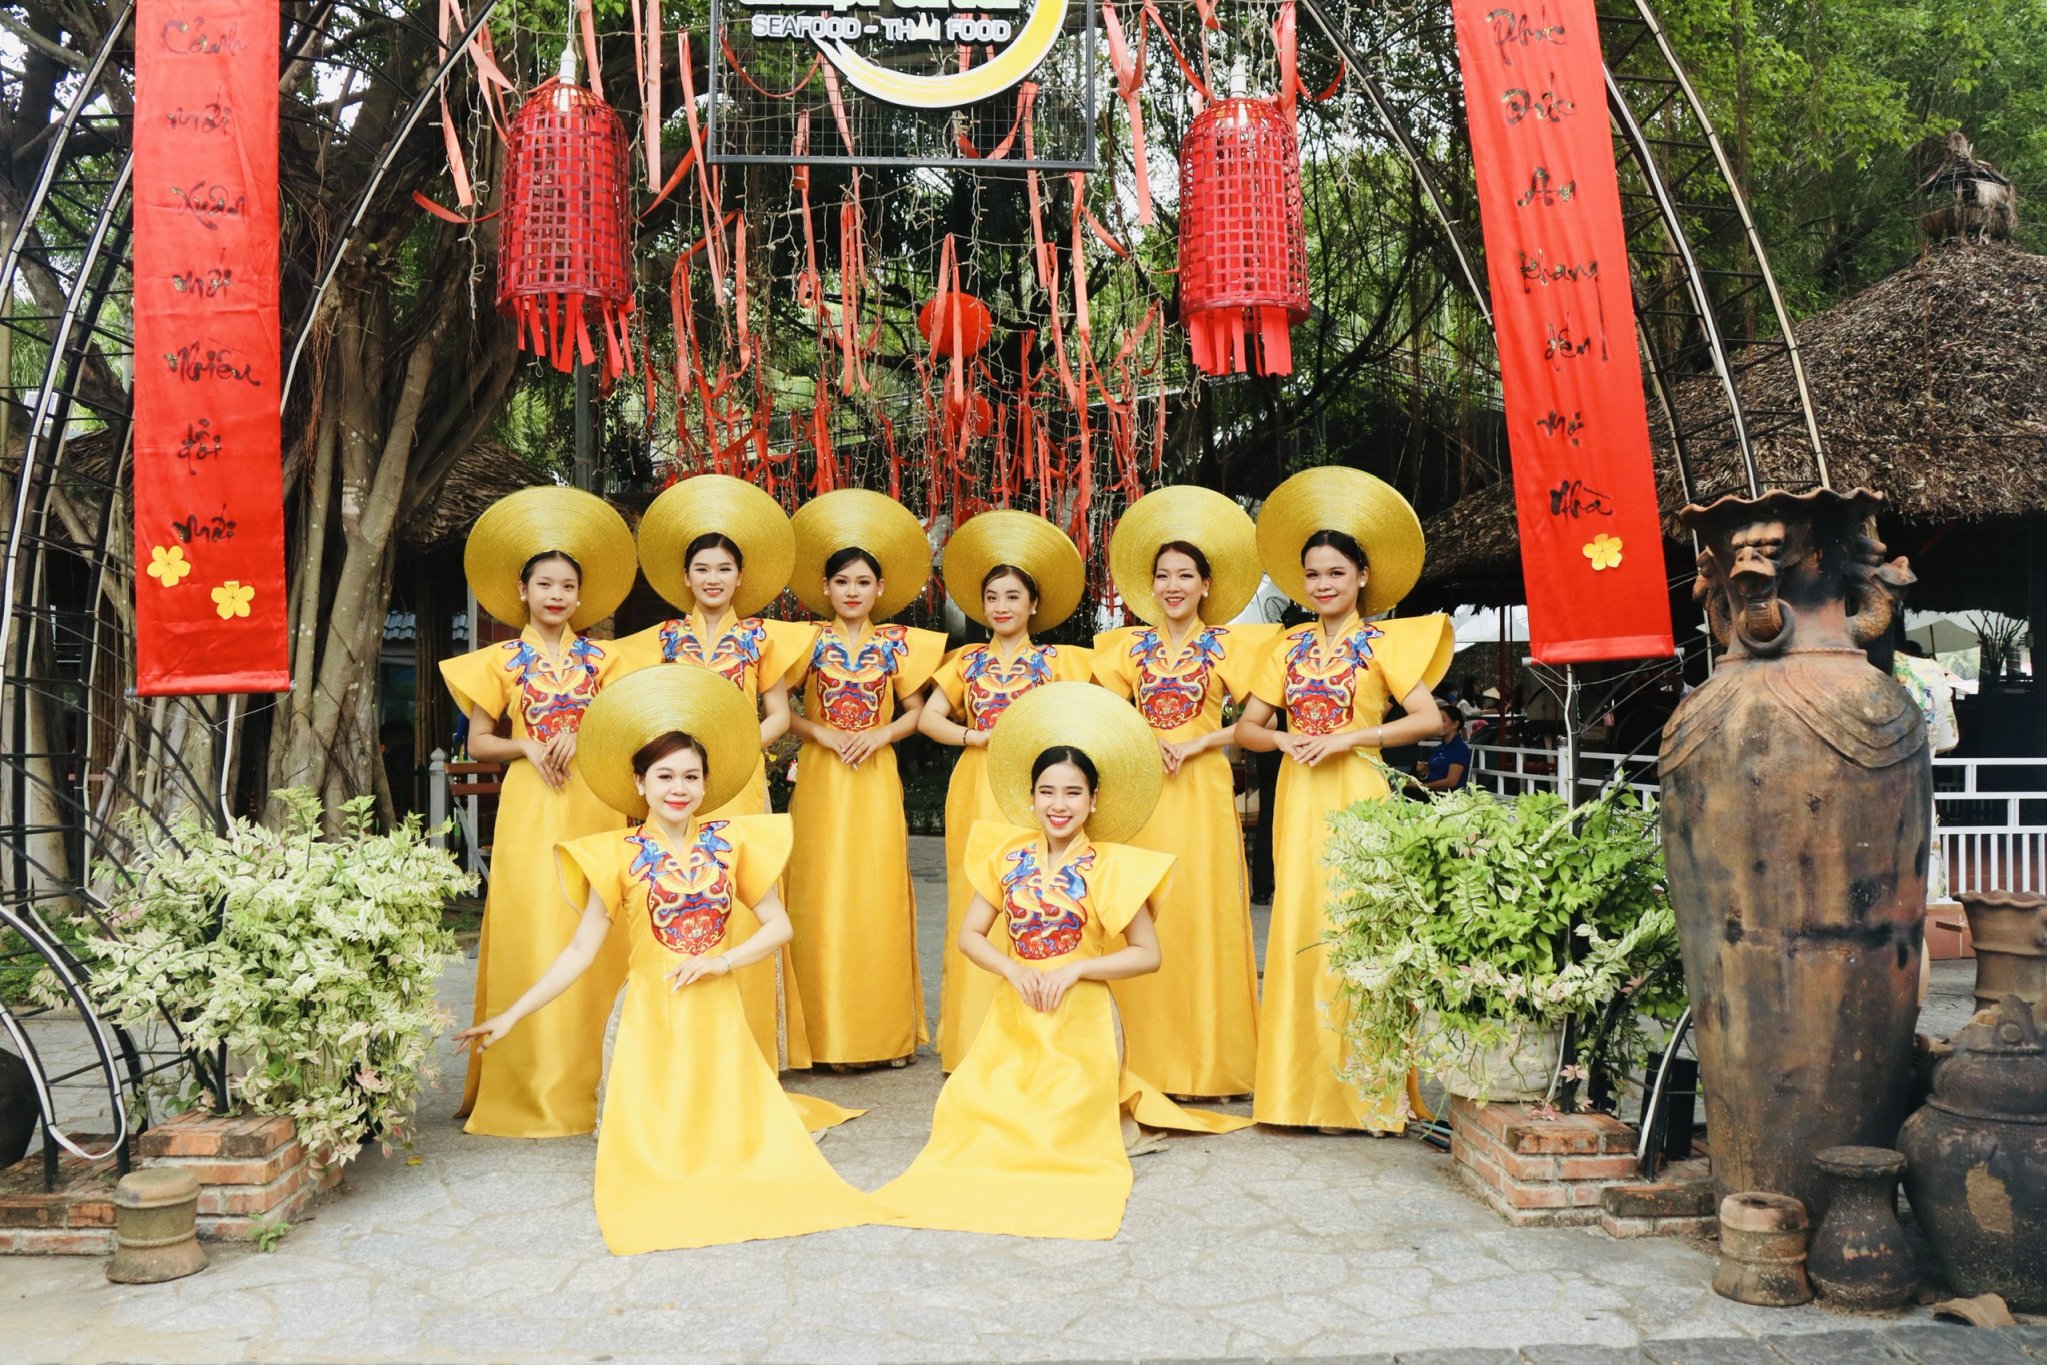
<point x="1258" y="1245"/>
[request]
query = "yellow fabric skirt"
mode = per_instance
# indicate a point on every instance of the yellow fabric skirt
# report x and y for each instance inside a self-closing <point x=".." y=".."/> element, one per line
<point x="541" y="1080"/>
<point x="964" y="990"/>
<point x="854" y="910"/>
<point x="1192" y="1026"/>
<point x="1027" y="1138"/>
<point x="700" y="1144"/>
<point x="1301" y="1049"/>
<point x="774" y="1005"/>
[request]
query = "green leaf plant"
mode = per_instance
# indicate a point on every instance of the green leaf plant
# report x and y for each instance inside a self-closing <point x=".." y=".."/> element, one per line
<point x="1460" y="923"/>
<point x="311" y="960"/>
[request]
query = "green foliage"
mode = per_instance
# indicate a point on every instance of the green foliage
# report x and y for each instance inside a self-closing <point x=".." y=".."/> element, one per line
<point x="270" y="1229"/>
<point x="313" y="961"/>
<point x="1457" y="920"/>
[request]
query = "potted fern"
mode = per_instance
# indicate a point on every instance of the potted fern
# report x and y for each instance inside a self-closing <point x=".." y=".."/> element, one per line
<point x="1468" y="929"/>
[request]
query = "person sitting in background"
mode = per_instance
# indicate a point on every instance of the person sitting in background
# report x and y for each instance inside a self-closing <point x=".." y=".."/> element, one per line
<point x="1448" y="766"/>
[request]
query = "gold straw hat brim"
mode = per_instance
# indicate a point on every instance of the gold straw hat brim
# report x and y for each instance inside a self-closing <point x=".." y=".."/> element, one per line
<point x="855" y="517"/>
<point x="1023" y="541"/>
<point x="1338" y="498"/>
<point x="533" y="521"/>
<point x="1099" y="724"/>
<point x="1202" y="518"/>
<point x="732" y="507"/>
<point x="652" y="701"/>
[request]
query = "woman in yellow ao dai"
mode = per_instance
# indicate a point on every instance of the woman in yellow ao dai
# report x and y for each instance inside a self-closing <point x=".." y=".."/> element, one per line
<point x="861" y="558"/>
<point x="700" y="1144"/>
<point x="1335" y="679"/>
<point x="1192" y="1026"/>
<point x="971" y="691"/>
<point x="1028" y="1136"/>
<point x="720" y="549"/>
<point x="544" y="1084"/>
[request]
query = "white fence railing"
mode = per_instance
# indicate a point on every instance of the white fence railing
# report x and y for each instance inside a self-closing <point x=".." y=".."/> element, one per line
<point x="1992" y="811"/>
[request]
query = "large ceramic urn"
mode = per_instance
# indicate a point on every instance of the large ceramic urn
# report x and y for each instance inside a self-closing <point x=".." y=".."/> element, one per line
<point x="1797" y="789"/>
<point x="1978" y="1159"/>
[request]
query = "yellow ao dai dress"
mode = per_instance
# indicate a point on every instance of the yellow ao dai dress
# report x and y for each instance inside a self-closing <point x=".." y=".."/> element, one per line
<point x="753" y="654"/>
<point x="980" y="684"/>
<point x="1192" y="1026"/>
<point x="1324" y="688"/>
<point x="1027" y="1137"/>
<point x="850" y="898"/>
<point x="542" y="1080"/>
<point x="700" y="1144"/>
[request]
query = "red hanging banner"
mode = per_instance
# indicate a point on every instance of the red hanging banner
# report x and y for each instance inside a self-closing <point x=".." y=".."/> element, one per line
<point x="209" y="497"/>
<point x="1556" y="256"/>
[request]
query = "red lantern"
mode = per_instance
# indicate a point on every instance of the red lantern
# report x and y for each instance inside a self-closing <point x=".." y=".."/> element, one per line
<point x="565" y="253"/>
<point x="974" y="415"/>
<point x="935" y="321"/>
<point x="1243" y="239"/>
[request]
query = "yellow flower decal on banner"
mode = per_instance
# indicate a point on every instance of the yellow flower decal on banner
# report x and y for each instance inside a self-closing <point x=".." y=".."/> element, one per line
<point x="231" y="598"/>
<point x="168" y="565"/>
<point x="1604" y="552"/>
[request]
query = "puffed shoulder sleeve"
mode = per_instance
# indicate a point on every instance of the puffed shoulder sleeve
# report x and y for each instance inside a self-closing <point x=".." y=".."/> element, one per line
<point x="988" y="842"/>
<point x="634" y="652"/>
<point x="1073" y="663"/>
<point x="1415" y="652"/>
<point x="475" y="680"/>
<point x="594" y="862"/>
<point x="950" y="678"/>
<point x="762" y="843"/>
<point x="1267" y="674"/>
<point x="785" y="645"/>
<point x="1135" y="875"/>
<point x="926" y="652"/>
<point x="799" y="669"/>
<point x="1244" y="649"/>
<point x="1111" y="661"/>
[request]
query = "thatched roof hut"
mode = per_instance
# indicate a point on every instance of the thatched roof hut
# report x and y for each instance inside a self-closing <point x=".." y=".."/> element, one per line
<point x="1930" y="386"/>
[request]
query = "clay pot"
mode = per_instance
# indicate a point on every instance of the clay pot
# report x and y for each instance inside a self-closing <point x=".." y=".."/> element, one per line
<point x="1860" y="1259"/>
<point x="1762" y="1250"/>
<point x="1977" y="1177"/>
<point x="19" y="1110"/>
<point x="156" y="1227"/>
<point x="2009" y="930"/>
<point x="1796" y="800"/>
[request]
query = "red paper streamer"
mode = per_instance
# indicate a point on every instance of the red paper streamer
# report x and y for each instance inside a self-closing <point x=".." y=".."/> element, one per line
<point x="210" y="603"/>
<point x="1556" y="255"/>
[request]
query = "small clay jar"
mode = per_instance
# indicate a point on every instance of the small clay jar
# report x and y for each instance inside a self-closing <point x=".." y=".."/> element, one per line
<point x="155" y="1217"/>
<point x="1762" y="1250"/>
<point x="2009" y="933"/>
<point x="1860" y="1259"/>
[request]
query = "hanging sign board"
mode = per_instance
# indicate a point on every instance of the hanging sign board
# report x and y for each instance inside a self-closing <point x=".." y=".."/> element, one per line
<point x="904" y="82"/>
<point x="1557" y="261"/>
<point x="209" y="512"/>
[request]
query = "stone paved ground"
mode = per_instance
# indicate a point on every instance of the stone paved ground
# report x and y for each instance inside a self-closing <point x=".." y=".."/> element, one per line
<point x="1258" y="1245"/>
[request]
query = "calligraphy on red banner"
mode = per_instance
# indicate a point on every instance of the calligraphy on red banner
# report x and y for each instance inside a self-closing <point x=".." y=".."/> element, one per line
<point x="1556" y="257"/>
<point x="209" y="514"/>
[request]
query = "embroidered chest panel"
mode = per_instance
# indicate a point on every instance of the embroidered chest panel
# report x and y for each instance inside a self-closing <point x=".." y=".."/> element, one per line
<point x="1322" y="682"/>
<point x="551" y="698"/>
<point x="1172" y="683"/>
<point x="992" y="683"/>
<point x="1045" y="920"/>
<point x="688" y="901"/>
<point x="731" y="656"/>
<point x="850" y="685"/>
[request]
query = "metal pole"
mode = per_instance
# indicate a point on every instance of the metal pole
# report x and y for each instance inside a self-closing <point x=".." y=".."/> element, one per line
<point x="586" y="437"/>
<point x="1567" y="756"/>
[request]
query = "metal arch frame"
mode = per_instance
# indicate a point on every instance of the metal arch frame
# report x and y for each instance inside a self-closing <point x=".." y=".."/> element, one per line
<point x="1635" y="143"/>
<point x="346" y="237"/>
<point x="100" y="259"/>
